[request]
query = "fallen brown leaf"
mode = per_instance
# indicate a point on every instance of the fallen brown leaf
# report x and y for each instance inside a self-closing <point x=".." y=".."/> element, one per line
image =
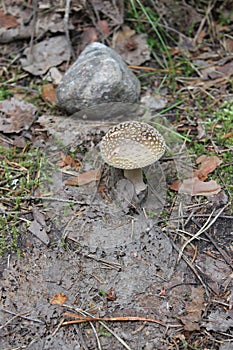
<point x="194" y="310"/>
<point x="84" y="178"/>
<point x="103" y="26"/>
<point x="7" y="21"/>
<point x="175" y="185"/>
<point x="81" y="319"/>
<point x="196" y="187"/>
<point x="45" y="54"/>
<point x="17" y="115"/>
<point x="39" y="231"/>
<point x="58" y="299"/>
<point x="200" y="130"/>
<point x="89" y="36"/>
<point x="49" y="93"/>
<point x="110" y="294"/>
<point x="68" y="160"/>
<point x="222" y="69"/>
<point x="227" y="135"/>
<point x="207" y="164"/>
<point x="132" y="47"/>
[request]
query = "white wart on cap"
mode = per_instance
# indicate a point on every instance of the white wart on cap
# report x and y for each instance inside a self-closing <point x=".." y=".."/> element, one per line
<point x="132" y="146"/>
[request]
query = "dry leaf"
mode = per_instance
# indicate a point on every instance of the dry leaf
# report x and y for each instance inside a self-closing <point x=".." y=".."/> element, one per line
<point x="68" y="160"/>
<point x="46" y="54"/>
<point x="110" y="295"/>
<point x="17" y="115"/>
<point x="89" y="36"/>
<point x="122" y="35"/>
<point x="196" y="187"/>
<point x="218" y="70"/>
<point x="201" y="130"/>
<point x="39" y="227"/>
<point x="84" y="178"/>
<point x="58" y="299"/>
<point x="207" y="164"/>
<point x="7" y="21"/>
<point x="227" y="135"/>
<point x="49" y="93"/>
<point x="175" y="185"/>
<point x="132" y="47"/>
<point x="194" y="310"/>
<point x="218" y="321"/>
<point x="39" y="231"/>
<point x="92" y="34"/>
<point x="103" y="26"/>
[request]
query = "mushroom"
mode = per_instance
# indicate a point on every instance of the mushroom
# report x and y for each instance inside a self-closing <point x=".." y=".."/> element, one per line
<point x="131" y="146"/>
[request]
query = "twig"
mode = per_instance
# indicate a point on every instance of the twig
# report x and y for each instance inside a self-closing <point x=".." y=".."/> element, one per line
<point x="152" y="69"/>
<point x="34" y="17"/>
<point x="66" y="231"/>
<point x="66" y="25"/>
<point x="35" y="198"/>
<point x="206" y="226"/>
<point x="195" y="216"/>
<point x="116" y="336"/>
<point x="209" y="8"/>
<point x="6" y="139"/>
<point x="85" y="314"/>
<point x="113" y="265"/>
<point x="96" y="335"/>
<point x="184" y="257"/>
<point x="182" y="232"/>
<point x="21" y="316"/>
<point x="8" y="322"/>
<point x="58" y="327"/>
<point x="220" y="250"/>
<point x="3" y="182"/>
<point x="81" y="340"/>
<point x="81" y="319"/>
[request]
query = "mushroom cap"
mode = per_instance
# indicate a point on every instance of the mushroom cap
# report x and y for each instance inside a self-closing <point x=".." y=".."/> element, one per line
<point x="132" y="145"/>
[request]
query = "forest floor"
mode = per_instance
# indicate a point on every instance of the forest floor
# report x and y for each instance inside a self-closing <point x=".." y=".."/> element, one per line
<point x="83" y="266"/>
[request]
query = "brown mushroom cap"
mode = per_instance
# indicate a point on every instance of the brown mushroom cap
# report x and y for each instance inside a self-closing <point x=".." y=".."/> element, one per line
<point x="132" y="145"/>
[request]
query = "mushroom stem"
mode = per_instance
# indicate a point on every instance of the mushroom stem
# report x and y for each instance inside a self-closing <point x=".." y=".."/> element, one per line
<point x="136" y="177"/>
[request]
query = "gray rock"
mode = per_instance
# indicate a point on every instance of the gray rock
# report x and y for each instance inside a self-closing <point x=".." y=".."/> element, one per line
<point x="98" y="76"/>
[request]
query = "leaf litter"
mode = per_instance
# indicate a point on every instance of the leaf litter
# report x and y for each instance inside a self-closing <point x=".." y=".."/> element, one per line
<point x="131" y="46"/>
<point x="38" y="226"/>
<point x="195" y="186"/>
<point x="16" y="115"/>
<point x="194" y="309"/>
<point x="46" y="54"/>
